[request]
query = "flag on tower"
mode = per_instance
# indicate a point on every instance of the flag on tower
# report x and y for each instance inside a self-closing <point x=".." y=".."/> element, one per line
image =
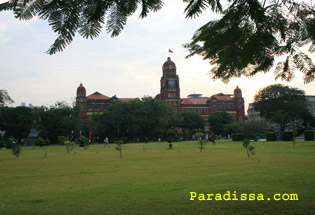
<point x="170" y="51"/>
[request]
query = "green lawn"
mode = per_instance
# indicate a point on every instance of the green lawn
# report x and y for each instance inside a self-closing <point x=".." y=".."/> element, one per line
<point x="157" y="180"/>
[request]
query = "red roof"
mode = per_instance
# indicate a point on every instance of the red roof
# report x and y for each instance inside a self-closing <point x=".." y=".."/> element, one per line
<point x="97" y="96"/>
<point x="81" y="88"/>
<point x="169" y="62"/>
<point x="187" y="101"/>
<point x="237" y="90"/>
<point x="223" y="97"/>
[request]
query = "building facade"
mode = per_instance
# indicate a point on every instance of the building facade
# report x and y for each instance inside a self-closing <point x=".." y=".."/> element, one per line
<point x="170" y="93"/>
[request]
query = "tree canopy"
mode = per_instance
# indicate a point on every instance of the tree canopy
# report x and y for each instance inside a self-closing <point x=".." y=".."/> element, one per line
<point x="248" y="38"/>
<point x="143" y="118"/>
<point x="251" y="35"/>
<point x="17" y="122"/>
<point x="190" y="123"/>
<point x="218" y="121"/>
<point x="4" y="97"/>
<point x="281" y="104"/>
<point x="86" y="17"/>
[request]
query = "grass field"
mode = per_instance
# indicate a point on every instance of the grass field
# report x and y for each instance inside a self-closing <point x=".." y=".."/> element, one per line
<point x="156" y="180"/>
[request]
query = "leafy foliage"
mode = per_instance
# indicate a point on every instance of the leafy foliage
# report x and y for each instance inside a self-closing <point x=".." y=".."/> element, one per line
<point x="16" y="150"/>
<point x="201" y="141"/>
<point x="250" y="150"/>
<point x="218" y="122"/>
<point x="69" y="146"/>
<point x="87" y="17"/>
<point x="147" y="117"/>
<point x="247" y="39"/>
<point x="61" y="140"/>
<point x="57" y="120"/>
<point x="4" y="97"/>
<point x="281" y="104"/>
<point x="309" y="135"/>
<point x="83" y="141"/>
<point x="270" y="136"/>
<point x="17" y="122"/>
<point x="40" y="142"/>
<point x="252" y="34"/>
<point x="190" y="122"/>
<point x="118" y="146"/>
<point x="238" y="137"/>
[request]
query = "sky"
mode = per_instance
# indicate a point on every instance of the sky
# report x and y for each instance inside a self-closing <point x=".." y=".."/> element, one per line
<point x="127" y="66"/>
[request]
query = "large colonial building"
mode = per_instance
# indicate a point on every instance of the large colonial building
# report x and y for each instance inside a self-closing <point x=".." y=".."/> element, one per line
<point x="170" y="93"/>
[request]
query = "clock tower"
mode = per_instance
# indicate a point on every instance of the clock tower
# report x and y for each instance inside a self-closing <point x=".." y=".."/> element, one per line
<point x="170" y="91"/>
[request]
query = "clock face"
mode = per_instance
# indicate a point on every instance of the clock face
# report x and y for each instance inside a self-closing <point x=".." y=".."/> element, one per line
<point x="171" y="83"/>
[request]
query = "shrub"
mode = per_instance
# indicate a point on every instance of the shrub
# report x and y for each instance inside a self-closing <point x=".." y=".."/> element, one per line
<point x="250" y="150"/>
<point x="118" y="146"/>
<point x="201" y="141"/>
<point x="270" y="136"/>
<point x="83" y="141"/>
<point x="40" y="142"/>
<point x="61" y="140"/>
<point x="16" y="150"/>
<point x="309" y="135"/>
<point x="287" y="136"/>
<point x="238" y="137"/>
<point x="8" y="144"/>
<point x="69" y="146"/>
<point x="3" y="143"/>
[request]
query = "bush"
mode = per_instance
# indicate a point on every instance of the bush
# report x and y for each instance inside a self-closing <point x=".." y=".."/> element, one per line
<point x="270" y="136"/>
<point x="238" y="137"/>
<point x="40" y="142"/>
<point x="69" y="146"/>
<point x="309" y="135"/>
<point x="61" y="140"/>
<point x="287" y="136"/>
<point x="83" y="141"/>
<point x="8" y="144"/>
<point x="3" y="143"/>
<point x="16" y="150"/>
<point x="124" y="139"/>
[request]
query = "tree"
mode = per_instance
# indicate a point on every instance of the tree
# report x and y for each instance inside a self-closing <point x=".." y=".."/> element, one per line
<point x="40" y="142"/>
<point x="17" y="122"/>
<point x="57" y="120"/>
<point x="281" y="104"/>
<point x="201" y="141"/>
<point x="218" y="121"/>
<point x="256" y="127"/>
<point x="191" y="122"/>
<point x="16" y="150"/>
<point x="86" y="17"/>
<point x="250" y="150"/>
<point x="245" y="41"/>
<point x="118" y="146"/>
<point x="171" y="135"/>
<point x="5" y="98"/>
<point x="69" y="146"/>
<point x="252" y="33"/>
<point x="147" y="117"/>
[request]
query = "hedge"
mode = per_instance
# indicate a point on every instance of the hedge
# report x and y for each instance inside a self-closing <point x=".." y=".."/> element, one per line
<point x="270" y="136"/>
<point x="287" y="136"/>
<point x="308" y="135"/>
<point x="238" y="137"/>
